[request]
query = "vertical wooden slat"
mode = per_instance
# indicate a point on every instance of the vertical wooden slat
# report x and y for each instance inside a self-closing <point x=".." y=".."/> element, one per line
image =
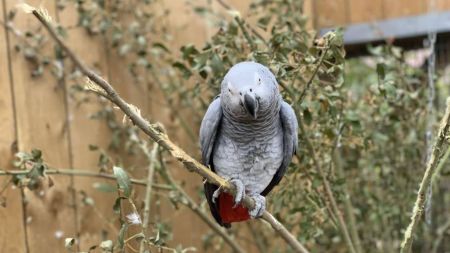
<point x="365" y="11"/>
<point x="442" y="5"/>
<point x="41" y="124"/>
<point x="12" y="232"/>
<point x="331" y="13"/>
<point x="400" y="8"/>
<point x="93" y="221"/>
<point x="188" y="229"/>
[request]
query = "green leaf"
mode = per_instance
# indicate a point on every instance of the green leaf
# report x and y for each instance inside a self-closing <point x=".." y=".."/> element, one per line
<point x="122" y="233"/>
<point x="381" y="70"/>
<point x="116" y="206"/>
<point x="123" y="181"/>
<point x="184" y="70"/>
<point x="104" y="187"/>
<point x="36" y="154"/>
<point x="161" y="46"/>
<point x="263" y="22"/>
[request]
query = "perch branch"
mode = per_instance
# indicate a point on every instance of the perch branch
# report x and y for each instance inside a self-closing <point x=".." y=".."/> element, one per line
<point x="161" y="138"/>
<point x="432" y="165"/>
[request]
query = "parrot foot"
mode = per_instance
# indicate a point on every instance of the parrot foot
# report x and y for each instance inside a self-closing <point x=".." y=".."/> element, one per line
<point x="216" y="194"/>
<point x="260" y="206"/>
<point x="240" y="190"/>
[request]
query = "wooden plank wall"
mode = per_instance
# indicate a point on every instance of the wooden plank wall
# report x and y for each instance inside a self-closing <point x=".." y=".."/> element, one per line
<point x="342" y="12"/>
<point x="41" y="113"/>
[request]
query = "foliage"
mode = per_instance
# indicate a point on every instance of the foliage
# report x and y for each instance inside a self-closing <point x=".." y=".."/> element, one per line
<point x="365" y="119"/>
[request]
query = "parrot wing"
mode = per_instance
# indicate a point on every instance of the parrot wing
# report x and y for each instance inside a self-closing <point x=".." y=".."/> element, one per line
<point x="290" y="141"/>
<point x="208" y="131"/>
<point x="209" y="128"/>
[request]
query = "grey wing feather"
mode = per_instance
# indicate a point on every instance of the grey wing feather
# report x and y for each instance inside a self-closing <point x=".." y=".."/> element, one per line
<point x="208" y="132"/>
<point x="209" y="128"/>
<point x="290" y="143"/>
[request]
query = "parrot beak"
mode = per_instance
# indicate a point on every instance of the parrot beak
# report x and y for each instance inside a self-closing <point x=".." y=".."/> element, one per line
<point x="251" y="105"/>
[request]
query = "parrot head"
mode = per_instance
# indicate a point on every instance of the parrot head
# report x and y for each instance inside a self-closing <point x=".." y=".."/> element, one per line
<point x="249" y="91"/>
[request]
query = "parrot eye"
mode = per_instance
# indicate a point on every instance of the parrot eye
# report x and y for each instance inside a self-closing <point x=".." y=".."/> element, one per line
<point x="229" y="90"/>
<point x="251" y="90"/>
<point x="259" y="80"/>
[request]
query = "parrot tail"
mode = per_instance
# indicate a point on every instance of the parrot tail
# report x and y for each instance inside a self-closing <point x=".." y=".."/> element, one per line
<point x="229" y="213"/>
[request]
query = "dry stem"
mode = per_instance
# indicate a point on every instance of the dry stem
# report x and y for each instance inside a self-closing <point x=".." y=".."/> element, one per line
<point x="82" y="173"/>
<point x="148" y="191"/>
<point x="432" y="165"/>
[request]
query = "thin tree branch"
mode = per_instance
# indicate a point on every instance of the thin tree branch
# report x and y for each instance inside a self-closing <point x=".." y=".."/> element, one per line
<point x="316" y="70"/>
<point x="148" y="191"/>
<point x="347" y="202"/>
<point x="257" y="237"/>
<point x="190" y="203"/>
<point x="432" y="165"/>
<point x="161" y="138"/>
<point x="256" y="33"/>
<point x="440" y="236"/>
<point x="82" y="173"/>
<point x="327" y="187"/>
<point x="247" y="36"/>
<point x="310" y="147"/>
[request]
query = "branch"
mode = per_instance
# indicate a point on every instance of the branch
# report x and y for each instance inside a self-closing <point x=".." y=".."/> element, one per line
<point x="148" y="191"/>
<point x="432" y="165"/>
<point x="326" y="185"/>
<point x="83" y="173"/>
<point x="256" y="33"/>
<point x="316" y="70"/>
<point x="160" y="137"/>
<point x="310" y="147"/>
<point x="190" y="203"/>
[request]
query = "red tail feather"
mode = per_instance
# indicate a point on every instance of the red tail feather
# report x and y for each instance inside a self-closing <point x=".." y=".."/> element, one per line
<point x="230" y="214"/>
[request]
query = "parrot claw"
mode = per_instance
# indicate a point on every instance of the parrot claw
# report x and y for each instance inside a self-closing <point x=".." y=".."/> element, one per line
<point x="240" y="191"/>
<point x="216" y="194"/>
<point x="260" y="206"/>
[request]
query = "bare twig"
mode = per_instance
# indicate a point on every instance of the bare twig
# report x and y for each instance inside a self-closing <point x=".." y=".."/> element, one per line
<point x="327" y="187"/>
<point x="191" y="204"/>
<point x="347" y="202"/>
<point x="432" y="165"/>
<point x="82" y="173"/>
<point x="440" y="236"/>
<point x="310" y="147"/>
<point x="247" y="36"/>
<point x="256" y="33"/>
<point x="258" y="238"/>
<point x="148" y="191"/>
<point x="161" y="138"/>
<point x="316" y="70"/>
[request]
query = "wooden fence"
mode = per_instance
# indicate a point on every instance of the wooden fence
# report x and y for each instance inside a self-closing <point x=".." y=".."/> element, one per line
<point x="327" y="13"/>
<point x="38" y="112"/>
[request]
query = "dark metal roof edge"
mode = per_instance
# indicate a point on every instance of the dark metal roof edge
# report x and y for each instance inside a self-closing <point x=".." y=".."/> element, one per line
<point x="398" y="28"/>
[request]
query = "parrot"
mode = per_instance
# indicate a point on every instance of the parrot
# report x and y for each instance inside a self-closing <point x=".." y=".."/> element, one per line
<point x="248" y="136"/>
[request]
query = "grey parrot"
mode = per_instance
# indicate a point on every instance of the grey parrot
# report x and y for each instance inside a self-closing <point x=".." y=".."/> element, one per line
<point x="247" y="136"/>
